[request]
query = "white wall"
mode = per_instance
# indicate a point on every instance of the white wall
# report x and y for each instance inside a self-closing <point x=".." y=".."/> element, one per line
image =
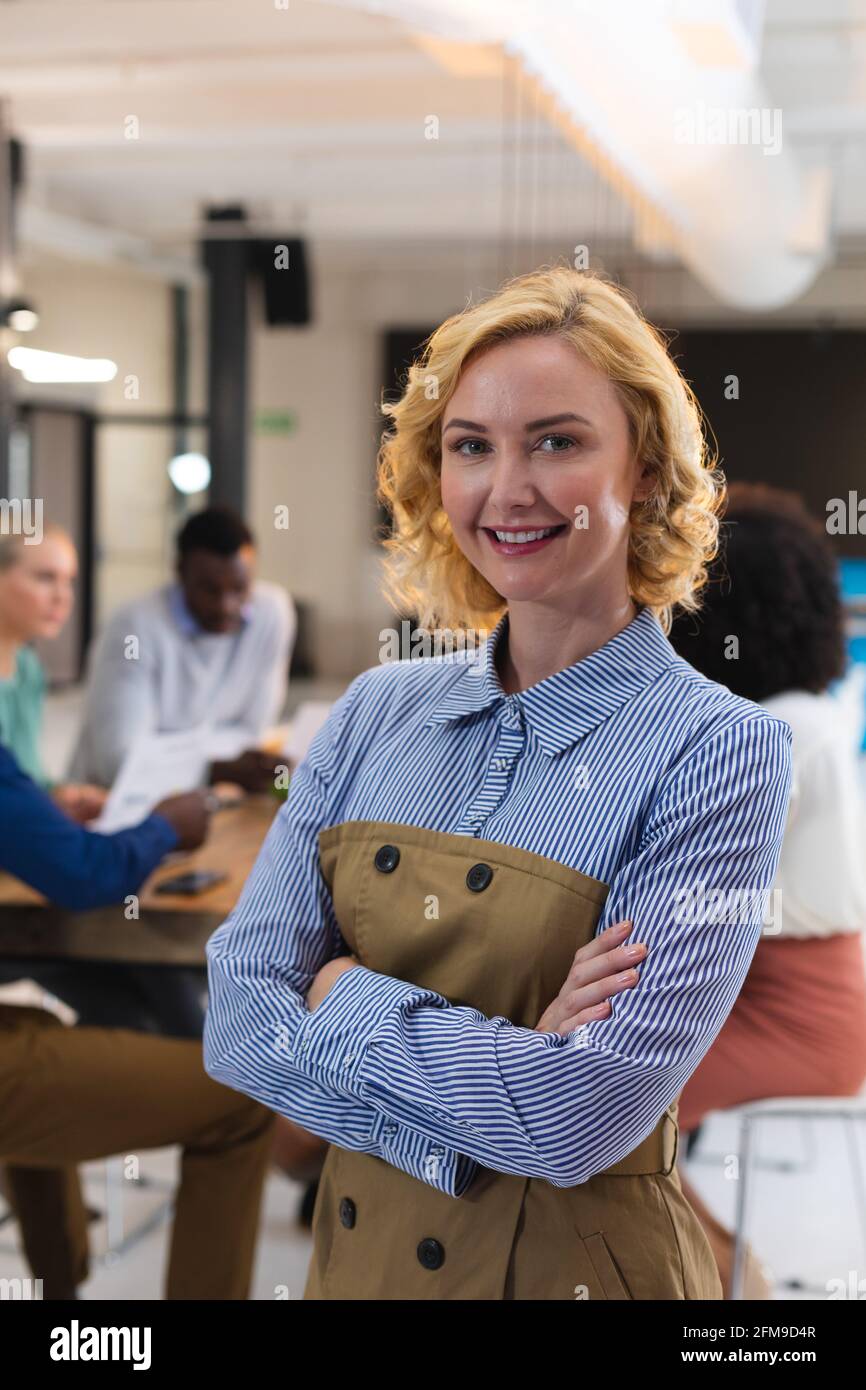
<point x="327" y="376"/>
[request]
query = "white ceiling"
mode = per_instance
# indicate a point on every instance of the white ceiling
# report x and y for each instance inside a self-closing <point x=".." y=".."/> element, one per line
<point x="313" y="116"/>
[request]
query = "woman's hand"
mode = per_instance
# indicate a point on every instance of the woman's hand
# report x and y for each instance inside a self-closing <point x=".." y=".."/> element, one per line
<point x="601" y="969"/>
<point x="326" y="977"/>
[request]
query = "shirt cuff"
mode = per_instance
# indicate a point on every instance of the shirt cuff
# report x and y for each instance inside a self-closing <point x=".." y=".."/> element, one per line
<point x="330" y="1046"/>
<point x="331" y="1041"/>
<point x="431" y="1162"/>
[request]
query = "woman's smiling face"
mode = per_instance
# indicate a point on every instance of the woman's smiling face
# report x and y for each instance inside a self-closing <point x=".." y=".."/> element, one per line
<point x="532" y="436"/>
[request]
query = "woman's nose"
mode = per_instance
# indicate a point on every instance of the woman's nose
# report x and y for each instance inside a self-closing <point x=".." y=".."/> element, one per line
<point x="510" y="482"/>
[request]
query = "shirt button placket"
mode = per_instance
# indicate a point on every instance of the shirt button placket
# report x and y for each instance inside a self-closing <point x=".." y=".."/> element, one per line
<point x="508" y="748"/>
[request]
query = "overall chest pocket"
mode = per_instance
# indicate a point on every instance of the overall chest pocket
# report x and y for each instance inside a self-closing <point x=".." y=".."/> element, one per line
<point x="483" y="924"/>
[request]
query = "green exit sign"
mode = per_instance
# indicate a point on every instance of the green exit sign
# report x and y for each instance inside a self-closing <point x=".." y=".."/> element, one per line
<point x="276" y="422"/>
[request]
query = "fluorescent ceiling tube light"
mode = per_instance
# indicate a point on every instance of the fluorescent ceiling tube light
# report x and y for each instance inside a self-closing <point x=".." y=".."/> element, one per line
<point x="36" y="365"/>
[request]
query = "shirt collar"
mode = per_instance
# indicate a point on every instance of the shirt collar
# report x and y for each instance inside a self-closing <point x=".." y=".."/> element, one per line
<point x="565" y="706"/>
<point x="187" y="622"/>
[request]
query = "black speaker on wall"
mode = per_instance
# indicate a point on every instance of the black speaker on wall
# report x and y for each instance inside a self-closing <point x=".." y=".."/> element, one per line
<point x="281" y="264"/>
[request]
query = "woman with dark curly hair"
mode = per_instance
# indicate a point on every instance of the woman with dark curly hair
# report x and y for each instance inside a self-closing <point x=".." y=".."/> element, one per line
<point x="771" y="629"/>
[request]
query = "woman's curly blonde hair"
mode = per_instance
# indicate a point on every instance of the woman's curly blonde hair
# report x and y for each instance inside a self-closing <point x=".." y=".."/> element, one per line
<point x="674" y="532"/>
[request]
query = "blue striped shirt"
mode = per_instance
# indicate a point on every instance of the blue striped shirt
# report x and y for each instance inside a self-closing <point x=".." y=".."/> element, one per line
<point x="629" y="766"/>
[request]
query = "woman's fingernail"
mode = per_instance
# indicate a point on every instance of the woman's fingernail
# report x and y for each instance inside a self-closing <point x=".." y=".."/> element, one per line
<point x="601" y="1009"/>
<point x="627" y="977"/>
<point x="633" y="951"/>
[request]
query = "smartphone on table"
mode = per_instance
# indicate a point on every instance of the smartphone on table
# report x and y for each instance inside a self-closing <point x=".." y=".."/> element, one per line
<point x="191" y="883"/>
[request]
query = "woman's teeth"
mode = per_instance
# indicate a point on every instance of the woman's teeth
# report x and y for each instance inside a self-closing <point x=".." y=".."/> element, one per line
<point x="521" y="537"/>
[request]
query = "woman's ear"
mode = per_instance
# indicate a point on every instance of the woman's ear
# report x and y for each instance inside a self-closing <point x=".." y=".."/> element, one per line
<point x="645" y="485"/>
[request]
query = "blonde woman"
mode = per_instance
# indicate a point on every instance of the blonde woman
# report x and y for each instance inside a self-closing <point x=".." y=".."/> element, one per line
<point x="37" y="589"/>
<point x="469" y="955"/>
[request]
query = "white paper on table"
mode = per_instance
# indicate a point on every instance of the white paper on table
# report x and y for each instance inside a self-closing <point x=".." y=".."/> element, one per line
<point x="308" y="720"/>
<point x="157" y="766"/>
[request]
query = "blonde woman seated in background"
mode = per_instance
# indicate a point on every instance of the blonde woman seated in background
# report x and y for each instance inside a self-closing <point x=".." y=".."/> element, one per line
<point x="798" y="1027"/>
<point x="37" y="591"/>
<point x="482" y="830"/>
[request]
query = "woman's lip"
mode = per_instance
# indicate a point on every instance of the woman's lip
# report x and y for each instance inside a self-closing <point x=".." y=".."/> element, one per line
<point x="521" y="530"/>
<point x="522" y="547"/>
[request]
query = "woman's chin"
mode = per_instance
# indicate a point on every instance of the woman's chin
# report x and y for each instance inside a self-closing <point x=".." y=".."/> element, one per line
<point x="521" y="592"/>
<point x="520" y="580"/>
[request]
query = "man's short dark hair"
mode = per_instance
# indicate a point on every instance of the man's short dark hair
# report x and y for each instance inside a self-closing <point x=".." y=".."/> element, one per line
<point x="216" y="529"/>
<point x="775" y="586"/>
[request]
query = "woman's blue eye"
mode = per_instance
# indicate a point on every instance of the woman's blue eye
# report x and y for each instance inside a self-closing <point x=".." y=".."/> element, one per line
<point x="459" y="448"/>
<point x="561" y="439"/>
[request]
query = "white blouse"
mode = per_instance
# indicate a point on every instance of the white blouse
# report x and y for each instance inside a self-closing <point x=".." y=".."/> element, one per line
<point x="820" y="884"/>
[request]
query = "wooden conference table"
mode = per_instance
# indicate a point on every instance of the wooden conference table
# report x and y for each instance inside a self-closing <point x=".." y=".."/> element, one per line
<point x="171" y="930"/>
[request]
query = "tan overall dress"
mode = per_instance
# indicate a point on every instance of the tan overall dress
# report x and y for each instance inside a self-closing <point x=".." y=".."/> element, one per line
<point x="496" y="928"/>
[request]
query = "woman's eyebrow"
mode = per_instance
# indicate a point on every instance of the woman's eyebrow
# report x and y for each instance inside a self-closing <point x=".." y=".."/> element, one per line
<point x="557" y="420"/>
<point x="466" y="425"/>
<point x="531" y="425"/>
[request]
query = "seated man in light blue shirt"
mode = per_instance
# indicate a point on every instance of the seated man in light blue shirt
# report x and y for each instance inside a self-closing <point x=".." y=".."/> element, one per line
<point x="210" y="650"/>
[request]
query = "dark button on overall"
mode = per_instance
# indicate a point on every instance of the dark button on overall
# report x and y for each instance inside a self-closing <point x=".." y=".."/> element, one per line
<point x="479" y="877"/>
<point x="387" y="859"/>
<point x="347" y="1212"/>
<point x="430" y="1253"/>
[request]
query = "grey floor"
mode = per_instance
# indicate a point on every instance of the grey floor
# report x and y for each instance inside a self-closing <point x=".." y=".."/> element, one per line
<point x="137" y="1273"/>
<point x="805" y="1220"/>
